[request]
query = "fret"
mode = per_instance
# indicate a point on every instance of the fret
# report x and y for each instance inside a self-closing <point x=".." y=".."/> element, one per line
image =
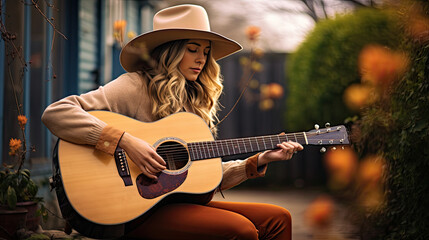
<point x="233" y="148"/>
<point x="244" y="144"/>
<point x="265" y="145"/>
<point x="206" y="150"/>
<point x="195" y="150"/>
<point x="191" y="153"/>
<point x="287" y="139"/>
<point x="223" y="149"/>
<point x="217" y="148"/>
<point x="257" y="144"/>
<point x="271" y="139"/>
<point x="251" y="145"/>
<point x="212" y="152"/>
<point x="191" y="150"/>
<point x="198" y="151"/>
<point x="227" y="145"/>
<point x="296" y="140"/>
<point x="209" y="152"/>
<point x="203" y="151"/>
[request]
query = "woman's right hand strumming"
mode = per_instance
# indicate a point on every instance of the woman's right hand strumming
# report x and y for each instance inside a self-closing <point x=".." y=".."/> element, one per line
<point x="143" y="155"/>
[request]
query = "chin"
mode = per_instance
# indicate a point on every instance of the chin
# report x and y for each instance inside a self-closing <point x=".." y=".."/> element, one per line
<point x="192" y="78"/>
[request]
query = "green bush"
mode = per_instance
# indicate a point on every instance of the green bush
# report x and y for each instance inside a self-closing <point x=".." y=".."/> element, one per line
<point x="326" y="63"/>
<point x="396" y="127"/>
<point x="405" y="146"/>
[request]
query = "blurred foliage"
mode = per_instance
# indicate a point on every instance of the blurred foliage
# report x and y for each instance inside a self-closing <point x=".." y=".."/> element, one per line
<point x="394" y="127"/>
<point x="326" y="63"/>
<point x="399" y="129"/>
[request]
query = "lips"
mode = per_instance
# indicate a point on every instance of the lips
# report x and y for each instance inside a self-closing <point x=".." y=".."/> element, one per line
<point x="196" y="70"/>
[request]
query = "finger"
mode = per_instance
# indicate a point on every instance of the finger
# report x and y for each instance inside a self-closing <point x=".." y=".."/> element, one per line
<point x="297" y="146"/>
<point x="147" y="173"/>
<point x="283" y="147"/>
<point x="152" y="170"/>
<point x="159" y="162"/>
<point x="156" y="161"/>
<point x="290" y="147"/>
<point x="286" y="147"/>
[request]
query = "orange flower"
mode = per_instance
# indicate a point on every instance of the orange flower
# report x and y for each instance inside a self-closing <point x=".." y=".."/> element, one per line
<point x="371" y="170"/>
<point x="341" y="165"/>
<point x="254" y="84"/>
<point x="119" y="30"/>
<point x="22" y="120"/>
<point x="380" y="66"/>
<point x="119" y="25"/>
<point x="275" y="90"/>
<point x="266" y="104"/>
<point x="419" y="28"/>
<point x="370" y="183"/>
<point x="253" y="32"/>
<point x="320" y="212"/>
<point x="357" y="96"/>
<point x="417" y="23"/>
<point x="258" y="52"/>
<point x="257" y="66"/>
<point x="14" y="146"/>
<point x="244" y="61"/>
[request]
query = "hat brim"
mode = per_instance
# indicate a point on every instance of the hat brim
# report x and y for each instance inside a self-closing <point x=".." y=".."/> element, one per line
<point x="131" y="55"/>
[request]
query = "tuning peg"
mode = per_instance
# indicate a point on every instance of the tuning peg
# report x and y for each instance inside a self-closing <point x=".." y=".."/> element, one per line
<point x="327" y="124"/>
<point x="316" y="126"/>
<point x="323" y="150"/>
<point x="334" y="148"/>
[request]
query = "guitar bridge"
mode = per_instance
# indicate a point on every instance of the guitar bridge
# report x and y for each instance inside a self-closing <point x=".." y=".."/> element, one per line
<point x="122" y="166"/>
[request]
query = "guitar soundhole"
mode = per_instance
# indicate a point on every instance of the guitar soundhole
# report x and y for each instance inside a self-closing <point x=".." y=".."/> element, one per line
<point x="174" y="154"/>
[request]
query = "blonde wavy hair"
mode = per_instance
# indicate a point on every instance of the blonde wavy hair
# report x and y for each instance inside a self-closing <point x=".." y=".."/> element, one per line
<point x="170" y="91"/>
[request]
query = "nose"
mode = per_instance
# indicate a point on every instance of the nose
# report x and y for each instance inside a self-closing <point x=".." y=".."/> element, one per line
<point x="201" y="58"/>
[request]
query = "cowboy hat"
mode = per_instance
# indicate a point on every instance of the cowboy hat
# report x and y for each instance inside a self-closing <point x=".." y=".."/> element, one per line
<point x="175" y="23"/>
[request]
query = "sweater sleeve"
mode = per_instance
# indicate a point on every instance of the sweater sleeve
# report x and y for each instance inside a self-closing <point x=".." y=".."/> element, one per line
<point x="238" y="171"/>
<point x="68" y="118"/>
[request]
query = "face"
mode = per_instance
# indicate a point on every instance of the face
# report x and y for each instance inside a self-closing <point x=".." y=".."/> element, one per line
<point x="194" y="59"/>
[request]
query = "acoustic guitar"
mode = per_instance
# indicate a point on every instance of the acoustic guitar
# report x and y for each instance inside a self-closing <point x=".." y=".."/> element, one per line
<point x="104" y="196"/>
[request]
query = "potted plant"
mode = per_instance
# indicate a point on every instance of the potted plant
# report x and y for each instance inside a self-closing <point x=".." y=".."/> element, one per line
<point x="18" y="192"/>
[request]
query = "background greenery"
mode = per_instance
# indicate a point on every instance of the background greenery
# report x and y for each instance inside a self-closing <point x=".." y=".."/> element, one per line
<point x="396" y="127"/>
<point x="326" y="63"/>
<point x="399" y="129"/>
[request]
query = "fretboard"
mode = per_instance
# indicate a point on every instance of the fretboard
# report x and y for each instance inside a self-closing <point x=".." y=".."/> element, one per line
<point x="230" y="147"/>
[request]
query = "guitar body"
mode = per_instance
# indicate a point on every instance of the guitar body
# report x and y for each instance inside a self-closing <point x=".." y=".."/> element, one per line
<point x="94" y="197"/>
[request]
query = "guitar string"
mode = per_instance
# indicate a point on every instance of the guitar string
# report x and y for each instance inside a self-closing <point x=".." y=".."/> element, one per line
<point x="247" y="140"/>
<point x="231" y="143"/>
<point x="184" y="156"/>
<point x="256" y="140"/>
<point x="202" y="149"/>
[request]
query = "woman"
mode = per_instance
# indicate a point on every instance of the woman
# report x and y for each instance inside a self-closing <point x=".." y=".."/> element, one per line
<point x="180" y="75"/>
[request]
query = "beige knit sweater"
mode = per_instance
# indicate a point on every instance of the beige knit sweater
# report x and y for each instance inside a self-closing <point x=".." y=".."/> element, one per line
<point x="68" y="119"/>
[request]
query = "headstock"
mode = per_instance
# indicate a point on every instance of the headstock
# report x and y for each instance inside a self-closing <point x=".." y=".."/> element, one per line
<point x="336" y="135"/>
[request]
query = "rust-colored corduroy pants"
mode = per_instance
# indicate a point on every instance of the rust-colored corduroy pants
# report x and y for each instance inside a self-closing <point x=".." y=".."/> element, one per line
<point x="217" y="220"/>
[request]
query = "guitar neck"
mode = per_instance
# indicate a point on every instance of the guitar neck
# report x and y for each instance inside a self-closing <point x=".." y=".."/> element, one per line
<point x="231" y="147"/>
